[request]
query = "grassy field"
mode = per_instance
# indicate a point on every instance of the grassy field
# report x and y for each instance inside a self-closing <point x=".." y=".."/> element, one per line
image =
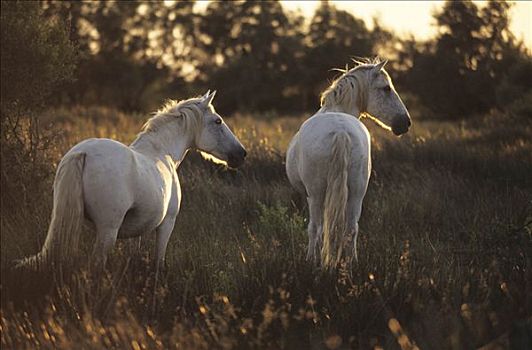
<point x="445" y="249"/>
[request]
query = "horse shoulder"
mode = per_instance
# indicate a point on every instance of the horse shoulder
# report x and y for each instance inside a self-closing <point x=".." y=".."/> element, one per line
<point x="175" y="200"/>
<point x="161" y="176"/>
<point x="361" y="131"/>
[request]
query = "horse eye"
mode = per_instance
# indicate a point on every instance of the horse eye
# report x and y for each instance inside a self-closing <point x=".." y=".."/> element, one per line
<point x="218" y="121"/>
<point x="387" y="88"/>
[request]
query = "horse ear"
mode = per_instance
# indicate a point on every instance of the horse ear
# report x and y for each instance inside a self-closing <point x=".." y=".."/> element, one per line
<point x="208" y="97"/>
<point x="380" y="65"/>
<point x="211" y="97"/>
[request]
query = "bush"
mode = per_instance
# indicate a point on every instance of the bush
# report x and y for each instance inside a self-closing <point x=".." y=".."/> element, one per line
<point x="36" y="57"/>
<point x="515" y="84"/>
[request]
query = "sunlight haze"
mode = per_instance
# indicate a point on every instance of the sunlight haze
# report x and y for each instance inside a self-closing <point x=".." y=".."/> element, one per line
<point x="410" y="17"/>
<point x="414" y="17"/>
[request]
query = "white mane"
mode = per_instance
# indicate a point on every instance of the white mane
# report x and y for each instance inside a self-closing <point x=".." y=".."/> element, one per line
<point x="348" y="92"/>
<point x="188" y="112"/>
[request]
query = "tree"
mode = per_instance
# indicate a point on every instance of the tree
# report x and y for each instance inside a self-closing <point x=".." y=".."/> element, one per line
<point x="127" y="48"/>
<point x="458" y="74"/>
<point x="36" y="57"/>
<point x="334" y="38"/>
<point x="250" y="51"/>
<point x="270" y="58"/>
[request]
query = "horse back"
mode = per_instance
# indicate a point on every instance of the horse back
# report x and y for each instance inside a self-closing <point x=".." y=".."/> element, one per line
<point x="315" y="144"/>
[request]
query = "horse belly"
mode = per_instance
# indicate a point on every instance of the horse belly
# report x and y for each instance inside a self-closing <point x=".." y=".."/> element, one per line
<point x="150" y="208"/>
<point x="137" y="223"/>
<point x="292" y="170"/>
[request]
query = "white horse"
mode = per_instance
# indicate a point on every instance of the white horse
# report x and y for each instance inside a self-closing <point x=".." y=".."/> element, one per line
<point x="130" y="191"/>
<point x="329" y="161"/>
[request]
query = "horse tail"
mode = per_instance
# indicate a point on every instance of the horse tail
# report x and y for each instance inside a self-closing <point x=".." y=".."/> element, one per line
<point x="334" y="215"/>
<point x="67" y="215"/>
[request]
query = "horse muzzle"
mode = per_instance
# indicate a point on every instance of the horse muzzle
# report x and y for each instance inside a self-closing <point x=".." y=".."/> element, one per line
<point x="236" y="158"/>
<point x="401" y="125"/>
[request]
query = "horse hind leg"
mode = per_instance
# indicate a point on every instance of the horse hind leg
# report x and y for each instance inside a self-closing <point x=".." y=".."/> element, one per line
<point x="312" y="241"/>
<point x="351" y="243"/>
<point x="354" y="210"/>
<point x="105" y="241"/>
<point x="315" y="228"/>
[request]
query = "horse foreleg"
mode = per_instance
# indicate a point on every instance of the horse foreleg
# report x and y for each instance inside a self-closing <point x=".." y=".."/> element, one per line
<point x="312" y="241"/>
<point x="163" y="233"/>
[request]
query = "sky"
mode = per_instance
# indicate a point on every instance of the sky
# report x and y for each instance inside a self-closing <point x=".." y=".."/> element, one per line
<point x="415" y="17"/>
<point x="411" y="17"/>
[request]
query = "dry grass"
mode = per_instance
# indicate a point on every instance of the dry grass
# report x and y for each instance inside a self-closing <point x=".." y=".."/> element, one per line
<point x="444" y="254"/>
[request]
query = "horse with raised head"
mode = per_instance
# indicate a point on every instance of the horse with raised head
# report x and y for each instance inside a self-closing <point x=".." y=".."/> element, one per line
<point x="329" y="160"/>
<point x="131" y="191"/>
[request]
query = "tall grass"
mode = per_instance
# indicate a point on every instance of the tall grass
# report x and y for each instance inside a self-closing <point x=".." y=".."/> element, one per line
<point x="444" y="253"/>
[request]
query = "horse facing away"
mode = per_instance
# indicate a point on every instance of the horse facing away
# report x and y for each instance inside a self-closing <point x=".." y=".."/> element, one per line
<point x="328" y="160"/>
<point x="129" y="191"/>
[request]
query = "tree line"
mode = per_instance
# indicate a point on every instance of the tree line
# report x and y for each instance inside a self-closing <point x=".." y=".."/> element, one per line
<point x="131" y="55"/>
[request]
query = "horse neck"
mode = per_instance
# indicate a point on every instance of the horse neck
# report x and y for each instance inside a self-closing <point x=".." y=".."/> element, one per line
<point x="357" y="104"/>
<point x="339" y="109"/>
<point x="163" y="143"/>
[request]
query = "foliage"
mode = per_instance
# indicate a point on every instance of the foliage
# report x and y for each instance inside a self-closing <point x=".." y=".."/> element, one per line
<point x="133" y="53"/>
<point x="276" y="219"/>
<point x="444" y="258"/>
<point x="459" y="73"/>
<point x="126" y="48"/>
<point x="444" y="236"/>
<point x="35" y="58"/>
<point x="262" y="57"/>
<point x="515" y="82"/>
<point x="334" y="38"/>
<point x="255" y="43"/>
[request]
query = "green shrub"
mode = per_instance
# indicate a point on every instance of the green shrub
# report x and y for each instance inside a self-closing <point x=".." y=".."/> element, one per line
<point x="276" y="220"/>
